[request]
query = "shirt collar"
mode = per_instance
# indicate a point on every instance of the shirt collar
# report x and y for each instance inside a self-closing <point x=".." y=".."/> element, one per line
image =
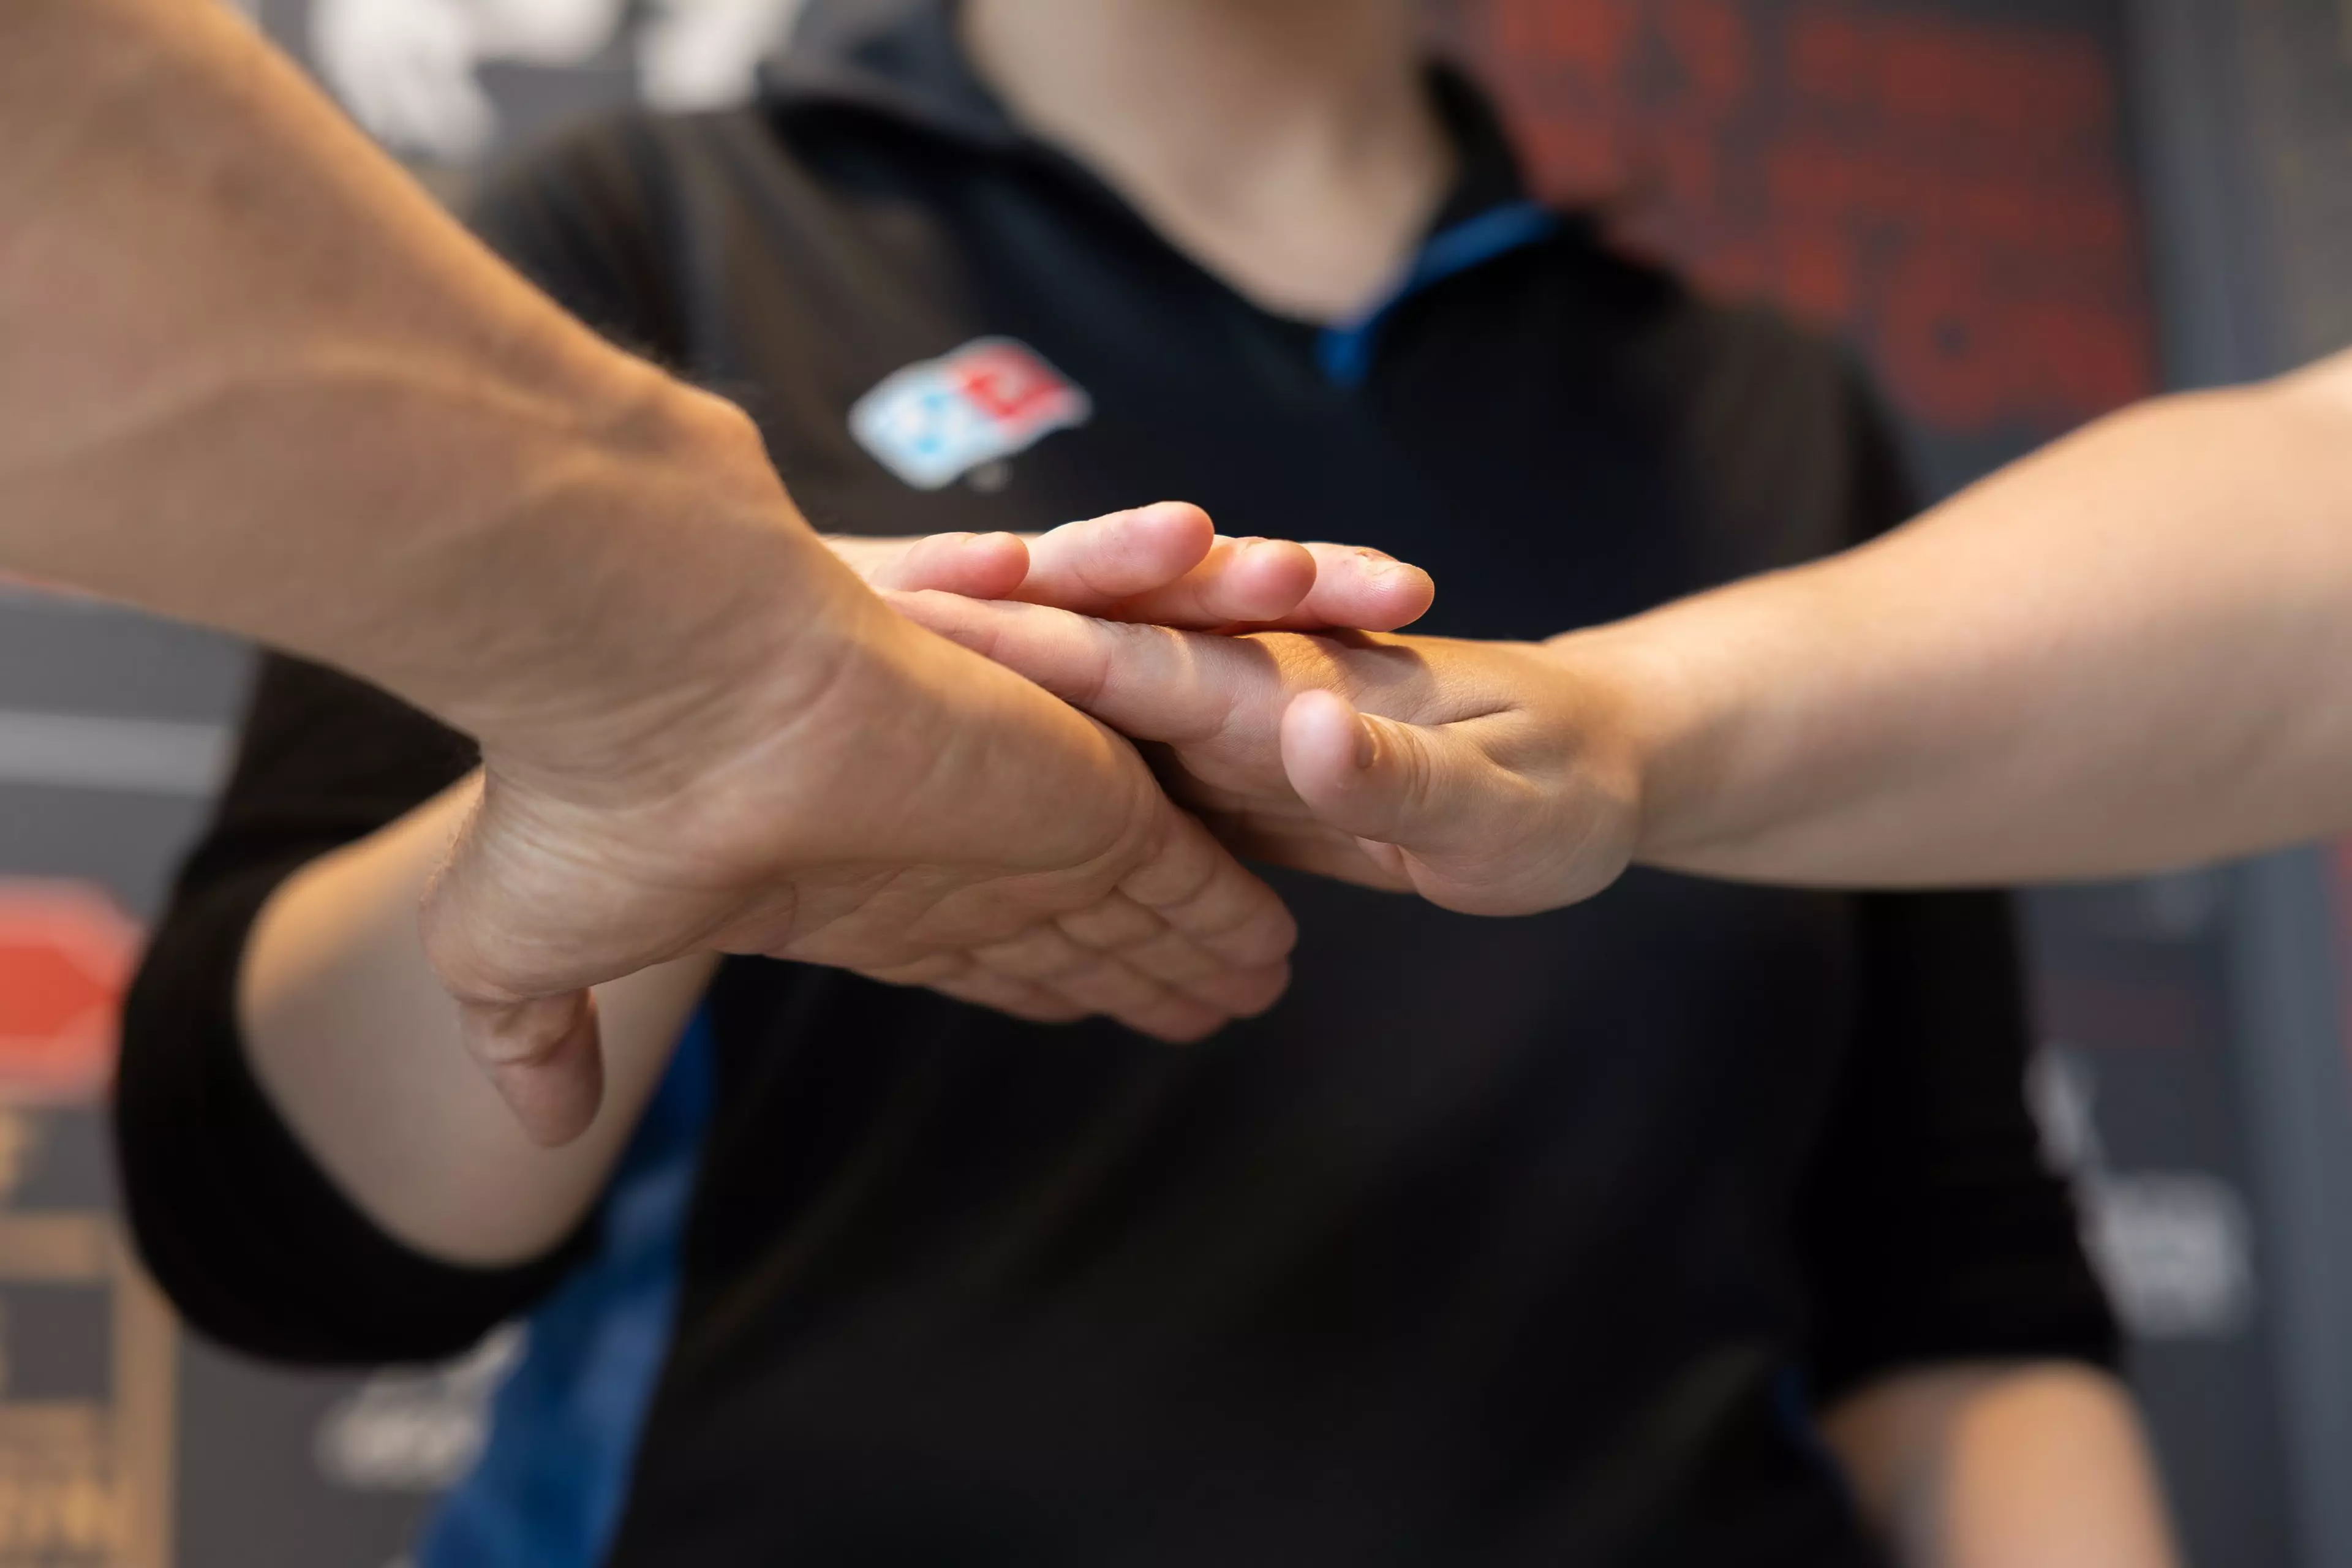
<point x="898" y="58"/>
<point x="904" y="60"/>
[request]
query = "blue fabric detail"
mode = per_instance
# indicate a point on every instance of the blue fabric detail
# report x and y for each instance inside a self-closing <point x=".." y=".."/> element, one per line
<point x="548" y="1490"/>
<point x="1346" y="350"/>
<point x="1792" y="1404"/>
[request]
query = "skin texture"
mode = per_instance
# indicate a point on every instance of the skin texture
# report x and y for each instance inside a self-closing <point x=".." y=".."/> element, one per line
<point x="1447" y="767"/>
<point x="1493" y="777"/>
<point x="2003" y="1466"/>
<point x="256" y="378"/>
<point x="2123" y="654"/>
<point x="352" y="1037"/>
<point x="1308" y="191"/>
<point x="238" y="336"/>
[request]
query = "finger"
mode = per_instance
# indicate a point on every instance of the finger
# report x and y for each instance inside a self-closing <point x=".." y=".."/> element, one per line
<point x="977" y="565"/>
<point x="1116" y="923"/>
<point x="1242" y="993"/>
<point x="1241" y="582"/>
<point x="1092" y="565"/>
<point x="508" y="950"/>
<point x="545" y="1059"/>
<point x="1176" y="1020"/>
<point x="1317" y="848"/>
<point x="983" y="987"/>
<point x="1366" y="776"/>
<point x="1164" y="564"/>
<point x="1150" y="682"/>
<point x="1102" y="982"/>
<point x="1016" y="998"/>
<point x="1365" y="589"/>
<point x="1206" y="896"/>
<point x="1144" y="941"/>
<point x="1471" y="834"/>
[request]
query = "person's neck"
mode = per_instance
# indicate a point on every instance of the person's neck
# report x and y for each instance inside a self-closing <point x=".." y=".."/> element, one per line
<point x="1289" y="146"/>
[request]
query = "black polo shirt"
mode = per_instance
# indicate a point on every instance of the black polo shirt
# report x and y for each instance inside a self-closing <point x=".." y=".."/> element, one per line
<point x="1498" y="1241"/>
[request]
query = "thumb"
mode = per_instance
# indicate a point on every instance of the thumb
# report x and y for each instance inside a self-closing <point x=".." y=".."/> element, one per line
<point x="536" y="1039"/>
<point x="1430" y="803"/>
<point x="544" y="1056"/>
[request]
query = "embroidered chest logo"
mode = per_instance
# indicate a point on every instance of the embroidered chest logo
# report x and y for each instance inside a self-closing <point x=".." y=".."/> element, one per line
<point x="931" y="423"/>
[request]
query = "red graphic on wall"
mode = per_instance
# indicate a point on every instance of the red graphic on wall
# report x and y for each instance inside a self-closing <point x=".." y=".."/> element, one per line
<point x="1948" y="191"/>
<point x="66" y="954"/>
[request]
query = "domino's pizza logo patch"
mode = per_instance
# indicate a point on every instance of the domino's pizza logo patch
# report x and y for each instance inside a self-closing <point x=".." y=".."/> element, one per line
<point x="931" y="423"/>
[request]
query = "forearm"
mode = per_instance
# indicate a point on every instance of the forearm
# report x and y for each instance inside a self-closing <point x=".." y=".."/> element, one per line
<point x="2126" y="653"/>
<point x="2003" y="1467"/>
<point x="256" y="377"/>
<point x="357" y="1045"/>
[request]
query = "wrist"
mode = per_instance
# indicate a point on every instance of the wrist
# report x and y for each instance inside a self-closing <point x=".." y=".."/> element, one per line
<point x="1639" y="730"/>
<point x="650" y="583"/>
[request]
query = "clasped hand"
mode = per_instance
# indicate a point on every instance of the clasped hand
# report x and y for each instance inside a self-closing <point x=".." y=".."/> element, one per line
<point x="1491" y="778"/>
<point x="845" y="789"/>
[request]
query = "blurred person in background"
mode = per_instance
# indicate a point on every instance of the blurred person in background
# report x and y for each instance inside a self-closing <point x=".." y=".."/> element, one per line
<point x="1707" y="1228"/>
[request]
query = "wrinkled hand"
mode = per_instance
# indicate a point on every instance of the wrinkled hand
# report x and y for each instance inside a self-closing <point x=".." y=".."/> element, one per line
<point x="839" y="786"/>
<point x="1489" y="777"/>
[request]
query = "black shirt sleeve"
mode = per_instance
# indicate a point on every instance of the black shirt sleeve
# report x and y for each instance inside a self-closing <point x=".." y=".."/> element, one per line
<point x="243" y="1229"/>
<point x="1930" y="1226"/>
<point x="241" y="1226"/>
<point x="581" y="218"/>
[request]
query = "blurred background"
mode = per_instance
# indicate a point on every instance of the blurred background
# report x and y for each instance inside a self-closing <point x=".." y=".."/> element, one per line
<point x="2021" y="211"/>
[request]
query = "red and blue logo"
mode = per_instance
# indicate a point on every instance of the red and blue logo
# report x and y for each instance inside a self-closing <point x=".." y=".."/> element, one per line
<point x="931" y="423"/>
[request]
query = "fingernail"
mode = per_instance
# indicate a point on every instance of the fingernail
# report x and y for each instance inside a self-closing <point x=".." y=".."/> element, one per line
<point x="1366" y="746"/>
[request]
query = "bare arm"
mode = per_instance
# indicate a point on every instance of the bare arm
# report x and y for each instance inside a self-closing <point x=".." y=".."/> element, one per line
<point x="353" y="1040"/>
<point x="2033" y="1466"/>
<point x="2130" y="651"/>
<point x="255" y="377"/>
<point x="352" y="1037"/>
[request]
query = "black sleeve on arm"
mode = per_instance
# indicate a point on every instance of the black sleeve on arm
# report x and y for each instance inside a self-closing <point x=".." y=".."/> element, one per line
<point x="580" y="218"/>
<point x="241" y="1226"/>
<point x="1931" y="1230"/>
<point x="244" y="1231"/>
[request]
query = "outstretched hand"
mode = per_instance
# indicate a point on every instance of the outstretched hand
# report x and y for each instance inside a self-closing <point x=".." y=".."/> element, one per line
<point x="863" y="794"/>
<point x="1487" y="776"/>
<point x="1165" y="564"/>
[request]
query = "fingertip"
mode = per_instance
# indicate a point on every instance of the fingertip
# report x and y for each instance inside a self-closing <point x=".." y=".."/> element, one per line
<point x="1179" y="1021"/>
<point x="1262" y="580"/>
<point x="1368" y="590"/>
<point x="1001" y="562"/>
<point x="1178" y="524"/>
<point x="1326" y="745"/>
<point x="1396" y="594"/>
<point x="546" y="1059"/>
<point x="1101" y="560"/>
<point x="1246" y="993"/>
<point x="980" y="565"/>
